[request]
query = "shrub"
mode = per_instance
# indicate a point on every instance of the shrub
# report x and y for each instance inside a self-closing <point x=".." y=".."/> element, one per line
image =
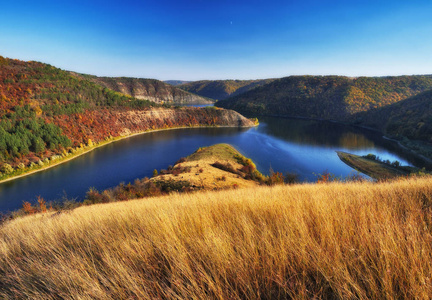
<point x="168" y="186"/>
<point x="181" y="160"/>
<point x="396" y="164"/>
<point x="6" y="168"/>
<point x="42" y="204"/>
<point x="356" y="177"/>
<point x="222" y="178"/>
<point x="93" y="197"/>
<point x="225" y="167"/>
<point x="28" y="208"/>
<point x="275" y="178"/>
<point x="326" y="176"/>
<point x="291" y="178"/>
<point x="370" y="156"/>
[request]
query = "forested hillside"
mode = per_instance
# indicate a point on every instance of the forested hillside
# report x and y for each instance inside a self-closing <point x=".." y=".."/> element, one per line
<point x="46" y="112"/>
<point x="326" y="97"/>
<point x="411" y="118"/>
<point x="148" y="89"/>
<point x="222" y="89"/>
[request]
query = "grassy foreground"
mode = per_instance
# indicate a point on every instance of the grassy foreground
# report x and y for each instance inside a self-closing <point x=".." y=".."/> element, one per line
<point x="336" y="240"/>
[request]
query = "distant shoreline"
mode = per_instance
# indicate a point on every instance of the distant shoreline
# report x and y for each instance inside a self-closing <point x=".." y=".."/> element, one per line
<point x="425" y="159"/>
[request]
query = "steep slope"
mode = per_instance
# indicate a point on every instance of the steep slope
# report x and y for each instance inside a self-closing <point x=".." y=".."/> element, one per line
<point x="148" y="89"/>
<point x="326" y="97"/>
<point x="46" y="112"/>
<point x="222" y="89"/>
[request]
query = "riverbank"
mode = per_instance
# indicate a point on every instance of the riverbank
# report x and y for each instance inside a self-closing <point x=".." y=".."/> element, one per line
<point x="77" y="152"/>
<point x="416" y="149"/>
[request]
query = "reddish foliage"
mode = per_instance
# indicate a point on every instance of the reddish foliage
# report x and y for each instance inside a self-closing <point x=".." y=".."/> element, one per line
<point x="42" y="204"/>
<point x="28" y="208"/>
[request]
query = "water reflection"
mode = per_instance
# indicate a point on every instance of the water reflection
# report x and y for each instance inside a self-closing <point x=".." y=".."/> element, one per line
<point x="355" y="141"/>
<point x="316" y="133"/>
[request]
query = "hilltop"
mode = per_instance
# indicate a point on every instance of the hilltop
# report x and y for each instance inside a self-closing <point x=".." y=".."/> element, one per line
<point x="327" y="97"/>
<point x="148" y="89"/>
<point x="215" y="167"/>
<point x="47" y="114"/>
<point x="325" y="241"/>
<point x="222" y="89"/>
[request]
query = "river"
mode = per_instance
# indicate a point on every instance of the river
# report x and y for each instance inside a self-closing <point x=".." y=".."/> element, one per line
<point x="305" y="147"/>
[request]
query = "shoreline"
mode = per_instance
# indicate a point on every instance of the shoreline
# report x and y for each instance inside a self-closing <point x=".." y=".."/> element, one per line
<point x="426" y="160"/>
<point x="112" y="140"/>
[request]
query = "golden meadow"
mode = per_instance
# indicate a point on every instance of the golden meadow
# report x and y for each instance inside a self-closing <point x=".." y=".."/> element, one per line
<point x="355" y="240"/>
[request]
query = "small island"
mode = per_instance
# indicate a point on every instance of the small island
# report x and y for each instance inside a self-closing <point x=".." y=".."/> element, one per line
<point x="374" y="167"/>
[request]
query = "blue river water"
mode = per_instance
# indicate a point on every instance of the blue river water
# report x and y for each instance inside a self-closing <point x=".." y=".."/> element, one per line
<point x="305" y="147"/>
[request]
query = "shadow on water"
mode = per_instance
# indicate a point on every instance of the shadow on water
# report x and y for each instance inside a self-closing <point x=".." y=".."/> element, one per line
<point x="286" y="145"/>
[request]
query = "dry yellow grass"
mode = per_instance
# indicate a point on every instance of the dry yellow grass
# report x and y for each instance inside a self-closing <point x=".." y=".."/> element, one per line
<point x="208" y="177"/>
<point x="338" y="240"/>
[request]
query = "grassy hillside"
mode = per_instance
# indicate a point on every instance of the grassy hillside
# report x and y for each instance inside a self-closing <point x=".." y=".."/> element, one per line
<point x="332" y="241"/>
<point x="148" y="89"/>
<point x="215" y="167"/>
<point x="47" y="114"/>
<point x="326" y="97"/>
<point x="222" y="89"/>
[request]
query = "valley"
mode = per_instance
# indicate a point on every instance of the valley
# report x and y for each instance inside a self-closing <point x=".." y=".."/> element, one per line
<point x="218" y="150"/>
<point x="57" y="122"/>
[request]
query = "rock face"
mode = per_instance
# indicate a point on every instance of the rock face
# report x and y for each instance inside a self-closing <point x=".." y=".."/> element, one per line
<point x="149" y="89"/>
<point x="128" y="122"/>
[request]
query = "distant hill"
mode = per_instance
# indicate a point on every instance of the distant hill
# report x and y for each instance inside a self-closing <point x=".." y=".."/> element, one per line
<point x="411" y="118"/>
<point x="398" y="106"/>
<point x="48" y="113"/>
<point x="326" y="97"/>
<point x="176" y="82"/>
<point x="222" y="89"/>
<point x="148" y="89"/>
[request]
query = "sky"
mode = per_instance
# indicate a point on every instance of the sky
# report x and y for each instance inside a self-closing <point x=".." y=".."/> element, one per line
<point x="207" y="39"/>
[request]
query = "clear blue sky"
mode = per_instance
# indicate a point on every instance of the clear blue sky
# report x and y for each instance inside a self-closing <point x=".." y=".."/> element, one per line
<point x="206" y="39"/>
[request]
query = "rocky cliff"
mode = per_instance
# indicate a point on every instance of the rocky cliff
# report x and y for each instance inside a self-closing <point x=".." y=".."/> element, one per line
<point x="128" y="122"/>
